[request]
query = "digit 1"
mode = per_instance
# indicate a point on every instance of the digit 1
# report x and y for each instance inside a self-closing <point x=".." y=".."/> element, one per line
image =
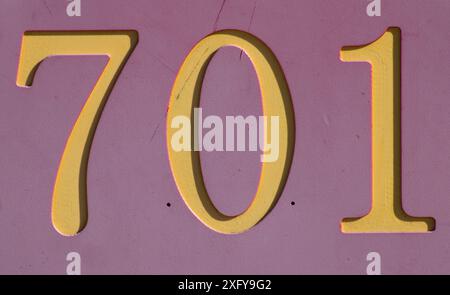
<point x="387" y="214"/>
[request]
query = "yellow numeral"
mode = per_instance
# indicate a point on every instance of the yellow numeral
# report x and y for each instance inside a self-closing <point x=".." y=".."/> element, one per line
<point x="69" y="208"/>
<point x="387" y="214"/>
<point x="276" y="102"/>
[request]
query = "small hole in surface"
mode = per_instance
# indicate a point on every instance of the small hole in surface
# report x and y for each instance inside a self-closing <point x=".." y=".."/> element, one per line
<point x="168" y="204"/>
<point x="292" y="203"/>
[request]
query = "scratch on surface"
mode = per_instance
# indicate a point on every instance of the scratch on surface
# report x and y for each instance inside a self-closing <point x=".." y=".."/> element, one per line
<point x="326" y="120"/>
<point x="190" y="74"/>
<point x="161" y="61"/>
<point x="250" y="24"/>
<point x="154" y="132"/>
<point x="48" y="8"/>
<point x="218" y="15"/>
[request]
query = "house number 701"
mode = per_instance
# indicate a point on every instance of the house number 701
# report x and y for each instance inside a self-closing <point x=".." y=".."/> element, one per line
<point x="69" y="205"/>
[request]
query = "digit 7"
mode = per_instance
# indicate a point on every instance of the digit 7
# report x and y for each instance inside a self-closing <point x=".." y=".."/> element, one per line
<point x="69" y="205"/>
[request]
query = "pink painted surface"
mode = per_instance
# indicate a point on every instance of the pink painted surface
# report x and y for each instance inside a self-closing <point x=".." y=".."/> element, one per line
<point x="130" y="228"/>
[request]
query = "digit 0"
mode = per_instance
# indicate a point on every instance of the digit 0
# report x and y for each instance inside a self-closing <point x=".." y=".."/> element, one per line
<point x="276" y="101"/>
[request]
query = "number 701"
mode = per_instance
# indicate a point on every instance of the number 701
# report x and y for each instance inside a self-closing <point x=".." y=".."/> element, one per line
<point x="69" y="206"/>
